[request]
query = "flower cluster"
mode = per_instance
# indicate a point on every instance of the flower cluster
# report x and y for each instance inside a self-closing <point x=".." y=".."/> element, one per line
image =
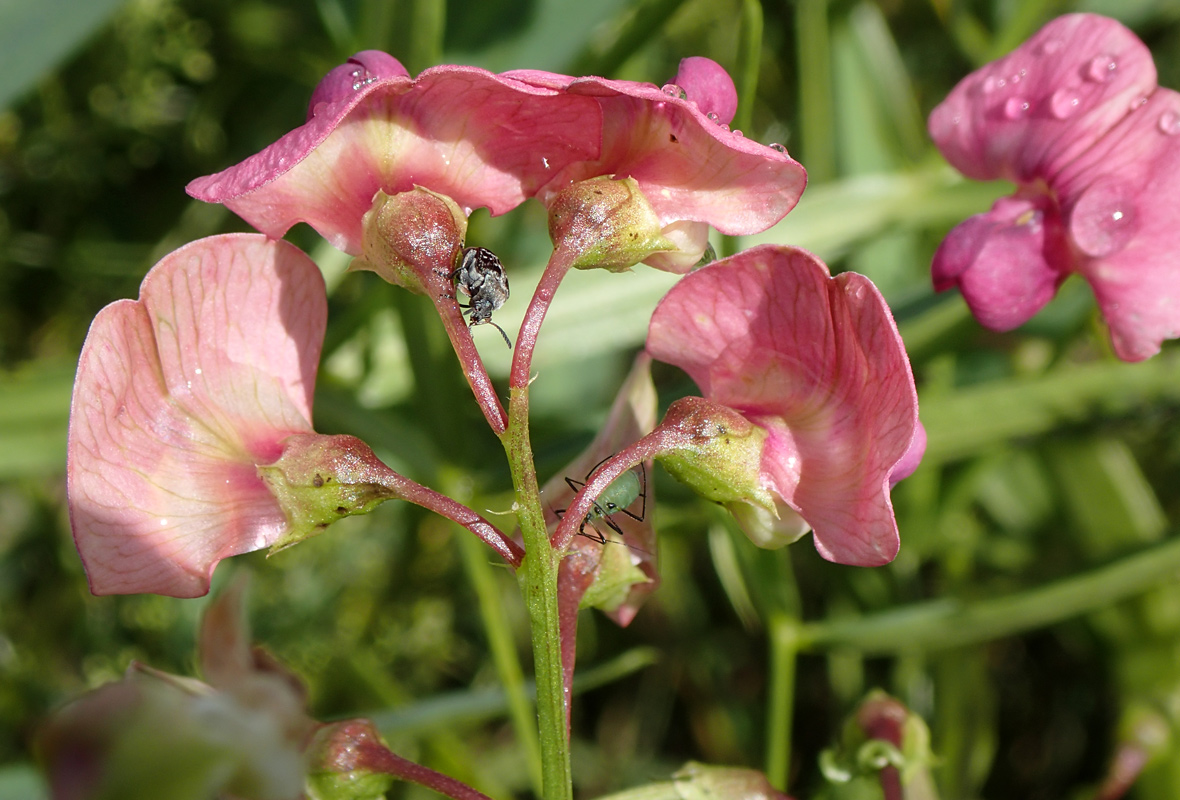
<point x="1074" y="117"/>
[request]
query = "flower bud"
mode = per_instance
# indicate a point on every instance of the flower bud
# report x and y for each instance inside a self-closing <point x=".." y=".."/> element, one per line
<point x="336" y="765"/>
<point x="413" y="240"/>
<point x="607" y="222"/>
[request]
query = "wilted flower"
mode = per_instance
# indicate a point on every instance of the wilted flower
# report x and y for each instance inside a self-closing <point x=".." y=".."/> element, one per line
<point x="1073" y="117"/>
<point x="809" y="409"/>
<point x="675" y="142"/>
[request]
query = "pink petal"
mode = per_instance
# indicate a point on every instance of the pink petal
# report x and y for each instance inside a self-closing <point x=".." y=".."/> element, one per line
<point x="1122" y="205"/>
<point x="1008" y="262"/>
<point x="709" y="86"/>
<point x="479" y="138"/>
<point x="178" y="396"/>
<point x="689" y="167"/>
<point x="343" y="82"/>
<point x="1030" y="113"/>
<point x="818" y="362"/>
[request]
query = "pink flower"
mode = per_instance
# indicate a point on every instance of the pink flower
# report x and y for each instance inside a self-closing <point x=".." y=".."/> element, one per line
<point x="480" y="139"/>
<point x="676" y="143"/>
<point x="179" y="395"/>
<point x="1073" y="116"/>
<point x="817" y="362"/>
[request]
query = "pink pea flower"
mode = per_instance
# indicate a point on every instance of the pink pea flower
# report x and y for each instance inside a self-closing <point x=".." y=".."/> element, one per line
<point x="676" y="143"/>
<point x="179" y="395"/>
<point x="484" y="140"/>
<point x="816" y="362"/>
<point x="1074" y="117"/>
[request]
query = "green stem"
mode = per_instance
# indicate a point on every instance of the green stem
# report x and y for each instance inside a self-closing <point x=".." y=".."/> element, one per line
<point x="540" y="578"/>
<point x="495" y="623"/>
<point x="784" y="648"/>
<point x="816" y="115"/>
<point x="942" y="624"/>
<point x="749" y="61"/>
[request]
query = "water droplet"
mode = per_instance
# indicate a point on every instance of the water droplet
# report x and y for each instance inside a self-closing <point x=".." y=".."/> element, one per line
<point x="672" y="90"/>
<point x="1018" y="76"/>
<point x="779" y="147"/>
<point x="1138" y="101"/>
<point x="1016" y="108"/>
<point x="989" y="84"/>
<point x="1105" y="219"/>
<point x="1101" y="68"/>
<point x="1064" y="103"/>
<point x="1049" y="47"/>
<point x="1169" y="123"/>
<point x="723" y="125"/>
<point x="712" y="117"/>
<point x="737" y="132"/>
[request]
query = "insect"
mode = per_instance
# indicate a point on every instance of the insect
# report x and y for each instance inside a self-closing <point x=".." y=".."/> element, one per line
<point x="622" y="493"/>
<point x="480" y="276"/>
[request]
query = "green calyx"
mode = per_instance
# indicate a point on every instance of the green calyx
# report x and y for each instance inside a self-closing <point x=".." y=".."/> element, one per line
<point x="721" y="458"/>
<point x="413" y="239"/>
<point x="320" y="479"/>
<point x="607" y="222"/>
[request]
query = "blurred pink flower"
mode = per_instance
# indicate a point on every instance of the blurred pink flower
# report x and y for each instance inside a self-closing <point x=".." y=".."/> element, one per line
<point x="179" y="395"/>
<point x="481" y="139"/>
<point x="676" y="143"/>
<point x="818" y="363"/>
<point x="1074" y="117"/>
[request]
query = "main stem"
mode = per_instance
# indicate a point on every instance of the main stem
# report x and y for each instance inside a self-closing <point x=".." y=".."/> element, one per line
<point x="541" y="560"/>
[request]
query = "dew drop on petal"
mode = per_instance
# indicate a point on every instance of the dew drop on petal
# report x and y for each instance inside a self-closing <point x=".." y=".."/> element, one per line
<point x="1016" y="108"/>
<point x="1064" y="103"/>
<point x="1169" y="123"/>
<point x="737" y="132"/>
<point x="1101" y="68"/>
<point x="1138" y="101"/>
<point x="712" y="117"/>
<point x="778" y="147"/>
<point x="989" y="84"/>
<point x="1105" y="219"/>
<point x="672" y="90"/>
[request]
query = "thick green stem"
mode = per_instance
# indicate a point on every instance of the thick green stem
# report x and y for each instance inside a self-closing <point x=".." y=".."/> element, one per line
<point x="495" y="623"/>
<point x="784" y="648"/>
<point x="942" y="624"/>
<point x="540" y="580"/>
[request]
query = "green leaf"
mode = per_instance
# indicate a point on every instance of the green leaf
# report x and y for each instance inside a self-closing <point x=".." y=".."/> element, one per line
<point x="36" y="36"/>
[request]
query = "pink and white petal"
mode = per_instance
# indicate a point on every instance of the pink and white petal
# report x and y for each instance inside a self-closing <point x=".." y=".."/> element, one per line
<point x="1008" y="262"/>
<point x="1122" y="205"/>
<point x="167" y="421"/>
<point x="819" y="363"/>
<point x="481" y="139"/>
<point x="691" y="240"/>
<point x="689" y="167"/>
<point x="1030" y="113"/>
<point x="709" y="86"/>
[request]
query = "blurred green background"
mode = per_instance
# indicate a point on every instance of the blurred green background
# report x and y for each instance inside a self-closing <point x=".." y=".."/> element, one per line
<point x="1049" y="462"/>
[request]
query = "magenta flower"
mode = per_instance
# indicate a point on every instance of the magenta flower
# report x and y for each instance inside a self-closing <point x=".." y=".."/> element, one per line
<point x="817" y="363"/>
<point x="179" y="395"/>
<point x="676" y="143"/>
<point x="1074" y="117"/>
<point x="481" y="139"/>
